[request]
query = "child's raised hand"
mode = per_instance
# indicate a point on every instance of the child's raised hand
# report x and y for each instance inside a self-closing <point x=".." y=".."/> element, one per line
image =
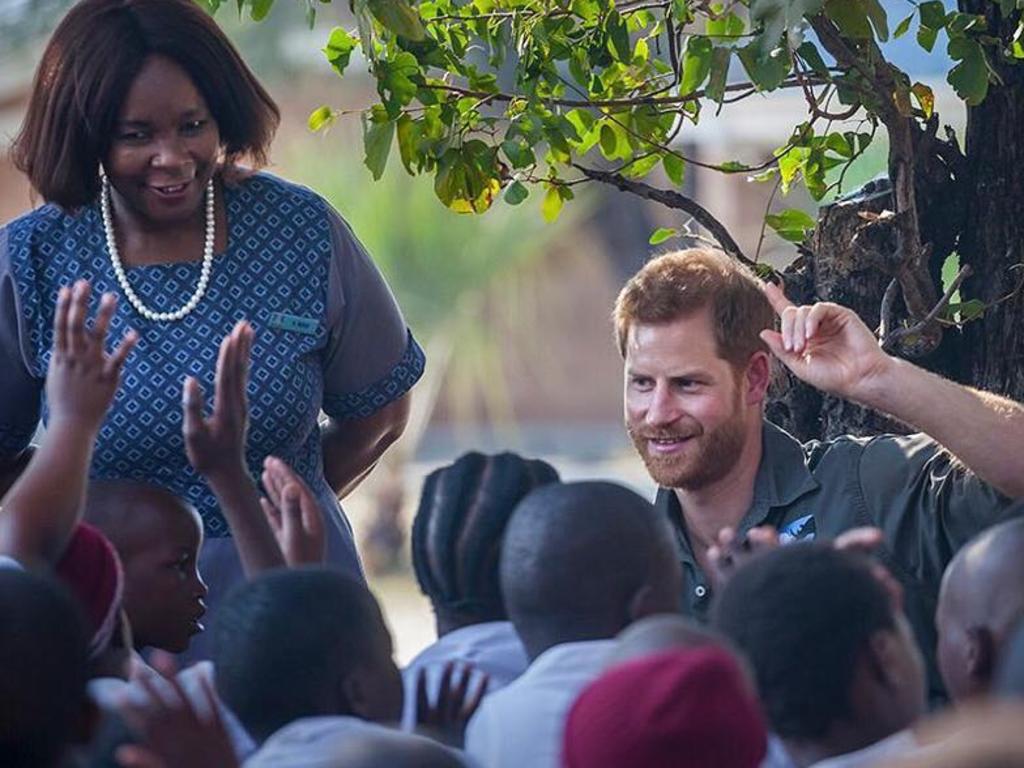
<point x="82" y="378"/>
<point x="172" y="730"/>
<point x="294" y="514"/>
<point x="446" y="718"/>
<point x="216" y="445"/>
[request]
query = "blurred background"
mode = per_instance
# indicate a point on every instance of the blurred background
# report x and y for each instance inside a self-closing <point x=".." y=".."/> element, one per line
<point x="513" y="312"/>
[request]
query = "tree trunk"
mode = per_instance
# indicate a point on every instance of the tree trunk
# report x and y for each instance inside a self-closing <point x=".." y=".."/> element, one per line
<point x="992" y="240"/>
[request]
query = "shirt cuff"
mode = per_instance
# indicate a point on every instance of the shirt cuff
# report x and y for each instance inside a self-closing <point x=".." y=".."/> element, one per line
<point x="370" y="399"/>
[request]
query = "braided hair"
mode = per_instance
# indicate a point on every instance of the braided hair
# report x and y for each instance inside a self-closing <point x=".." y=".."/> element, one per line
<point x="456" y="536"/>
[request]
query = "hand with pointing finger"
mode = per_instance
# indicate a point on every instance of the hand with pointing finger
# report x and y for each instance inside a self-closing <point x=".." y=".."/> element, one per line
<point x="824" y="344"/>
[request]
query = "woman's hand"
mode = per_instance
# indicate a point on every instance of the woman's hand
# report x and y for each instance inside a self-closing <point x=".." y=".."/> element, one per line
<point x="294" y="514"/>
<point x="216" y="445"/>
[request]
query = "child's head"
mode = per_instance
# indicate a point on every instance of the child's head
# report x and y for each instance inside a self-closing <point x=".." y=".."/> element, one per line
<point x="581" y="561"/>
<point x="43" y="671"/>
<point x="302" y="643"/>
<point x="456" y="535"/>
<point x="832" y="653"/>
<point x="158" y="537"/>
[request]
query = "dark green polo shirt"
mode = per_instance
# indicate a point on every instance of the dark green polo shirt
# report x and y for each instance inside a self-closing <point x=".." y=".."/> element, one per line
<point x="925" y="501"/>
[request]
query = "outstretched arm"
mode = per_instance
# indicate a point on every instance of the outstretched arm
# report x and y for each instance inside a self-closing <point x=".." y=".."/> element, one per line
<point x="829" y="347"/>
<point x="44" y="505"/>
<point x="216" y="449"/>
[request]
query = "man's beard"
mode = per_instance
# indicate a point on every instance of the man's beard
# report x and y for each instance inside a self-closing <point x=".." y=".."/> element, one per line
<point x="708" y="458"/>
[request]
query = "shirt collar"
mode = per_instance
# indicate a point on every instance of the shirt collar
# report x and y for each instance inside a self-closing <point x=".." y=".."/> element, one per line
<point x="782" y="478"/>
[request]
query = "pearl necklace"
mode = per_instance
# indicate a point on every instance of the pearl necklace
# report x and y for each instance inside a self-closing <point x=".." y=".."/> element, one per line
<point x="122" y="278"/>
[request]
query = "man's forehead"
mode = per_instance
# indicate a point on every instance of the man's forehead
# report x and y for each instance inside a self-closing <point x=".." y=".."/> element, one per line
<point x="684" y="342"/>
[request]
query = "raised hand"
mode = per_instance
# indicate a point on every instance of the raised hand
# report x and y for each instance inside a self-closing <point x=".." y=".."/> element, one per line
<point x="294" y="514"/>
<point x="216" y="445"/>
<point x="173" y="732"/>
<point x="730" y="551"/>
<point x="446" y="718"/>
<point x="82" y="378"/>
<point x="825" y="344"/>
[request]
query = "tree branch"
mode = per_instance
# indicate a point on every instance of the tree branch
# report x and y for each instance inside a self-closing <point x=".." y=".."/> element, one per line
<point x="676" y="201"/>
<point x="891" y="339"/>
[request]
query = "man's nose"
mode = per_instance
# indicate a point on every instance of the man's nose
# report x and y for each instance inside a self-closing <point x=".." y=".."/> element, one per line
<point x="663" y="407"/>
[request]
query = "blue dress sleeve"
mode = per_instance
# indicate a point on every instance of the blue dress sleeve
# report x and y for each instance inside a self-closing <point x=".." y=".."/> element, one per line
<point x="20" y="389"/>
<point x="371" y="357"/>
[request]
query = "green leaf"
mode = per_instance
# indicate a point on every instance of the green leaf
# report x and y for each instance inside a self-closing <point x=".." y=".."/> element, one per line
<point x="410" y="136"/>
<point x="398" y="17"/>
<point x="377" y="145"/>
<point x="696" y="64"/>
<point x="878" y="18"/>
<point x="319" y="118"/>
<point x="467" y="178"/>
<point x="395" y="79"/>
<point x="925" y="98"/>
<point x="618" y="38"/>
<point x="339" y="49"/>
<point x="969" y="77"/>
<point x="809" y="53"/>
<point x="791" y="224"/>
<point x="675" y="169"/>
<point x="725" y="28"/>
<point x="966" y="311"/>
<point x="903" y="27"/>
<point x="851" y="16"/>
<point x="732" y="166"/>
<point x="661" y="234"/>
<point x="518" y="153"/>
<point x="552" y="204"/>
<point x="516" y="193"/>
<point x="839" y="144"/>
<point x="258" y="9"/>
<point x="933" y="14"/>
<point x="719" y="74"/>
<point x="637" y="169"/>
<point x="926" y="37"/>
<point x="781" y="17"/>
<point x="767" y="72"/>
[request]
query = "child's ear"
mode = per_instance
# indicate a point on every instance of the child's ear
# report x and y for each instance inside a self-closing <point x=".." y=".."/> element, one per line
<point x="980" y="656"/>
<point x="356" y="693"/>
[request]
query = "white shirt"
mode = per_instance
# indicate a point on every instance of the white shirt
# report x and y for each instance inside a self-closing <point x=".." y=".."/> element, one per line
<point x="493" y="648"/>
<point x="522" y="724"/>
<point x="315" y="742"/>
<point x="898" y="744"/>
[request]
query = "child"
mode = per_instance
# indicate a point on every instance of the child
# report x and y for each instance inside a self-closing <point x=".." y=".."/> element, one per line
<point x="308" y="649"/>
<point x="579" y="562"/>
<point x="456" y="540"/>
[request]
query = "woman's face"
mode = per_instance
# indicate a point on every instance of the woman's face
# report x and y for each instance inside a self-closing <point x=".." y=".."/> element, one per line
<point x="165" y="145"/>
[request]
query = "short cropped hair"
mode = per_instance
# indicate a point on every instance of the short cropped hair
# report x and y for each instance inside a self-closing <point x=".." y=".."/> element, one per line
<point x="43" y="669"/>
<point x="678" y="284"/>
<point x="282" y="640"/>
<point x="803" y="614"/>
<point x="86" y="72"/>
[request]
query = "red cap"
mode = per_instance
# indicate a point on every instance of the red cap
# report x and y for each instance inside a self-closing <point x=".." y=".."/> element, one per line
<point x="91" y="569"/>
<point x="687" y="707"/>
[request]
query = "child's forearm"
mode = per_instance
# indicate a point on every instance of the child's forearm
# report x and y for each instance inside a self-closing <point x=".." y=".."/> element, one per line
<point x="240" y="503"/>
<point x="44" y="505"/>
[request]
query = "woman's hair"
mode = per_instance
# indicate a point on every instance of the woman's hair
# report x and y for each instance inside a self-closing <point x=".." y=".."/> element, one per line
<point x="456" y="536"/>
<point x="88" y="67"/>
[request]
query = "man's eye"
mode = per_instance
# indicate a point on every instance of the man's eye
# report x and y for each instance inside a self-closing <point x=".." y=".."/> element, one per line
<point x="194" y="126"/>
<point x="133" y="136"/>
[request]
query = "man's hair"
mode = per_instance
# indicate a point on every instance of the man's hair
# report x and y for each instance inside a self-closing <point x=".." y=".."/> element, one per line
<point x="803" y="614"/>
<point x="678" y="284"/>
<point x="44" y="657"/>
<point x="456" y="535"/>
<point x="86" y="72"/>
<point x="573" y="557"/>
<point x="282" y="643"/>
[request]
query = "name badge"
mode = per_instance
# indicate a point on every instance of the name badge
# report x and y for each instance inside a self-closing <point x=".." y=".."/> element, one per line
<point x="283" y="322"/>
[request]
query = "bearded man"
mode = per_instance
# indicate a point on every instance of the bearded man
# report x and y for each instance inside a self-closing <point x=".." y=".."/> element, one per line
<point x="697" y="332"/>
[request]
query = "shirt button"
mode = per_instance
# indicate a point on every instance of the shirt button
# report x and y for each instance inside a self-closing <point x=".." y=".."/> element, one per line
<point x="700" y="591"/>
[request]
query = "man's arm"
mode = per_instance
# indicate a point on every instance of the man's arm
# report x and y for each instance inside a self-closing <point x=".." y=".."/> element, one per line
<point x="829" y="347"/>
<point x="352" y="448"/>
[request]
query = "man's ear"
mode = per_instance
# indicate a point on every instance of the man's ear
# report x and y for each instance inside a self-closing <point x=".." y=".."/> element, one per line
<point x="883" y="657"/>
<point x="981" y="656"/>
<point x="757" y="377"/>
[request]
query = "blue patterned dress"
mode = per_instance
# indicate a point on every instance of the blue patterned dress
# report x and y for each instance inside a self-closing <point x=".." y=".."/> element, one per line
<point x="328" y="335"/>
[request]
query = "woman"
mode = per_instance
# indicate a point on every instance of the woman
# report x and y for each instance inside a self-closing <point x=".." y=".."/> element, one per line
<point x="140" y="111"/>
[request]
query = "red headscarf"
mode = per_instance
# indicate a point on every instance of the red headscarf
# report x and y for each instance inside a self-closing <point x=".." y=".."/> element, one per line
<point x="91" y="569"/>
<point x="677" y="709"/>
